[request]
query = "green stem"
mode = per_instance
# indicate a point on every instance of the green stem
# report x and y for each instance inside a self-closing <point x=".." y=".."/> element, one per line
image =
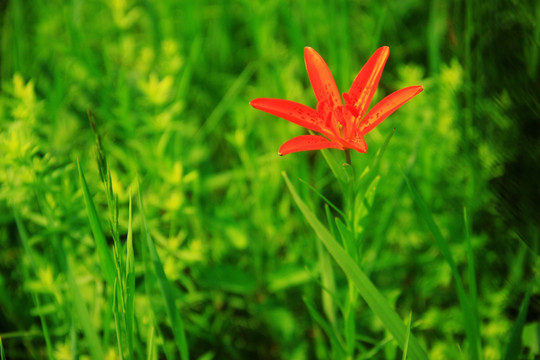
<point x="349" y="199"/>
<point x="348" y="156"/>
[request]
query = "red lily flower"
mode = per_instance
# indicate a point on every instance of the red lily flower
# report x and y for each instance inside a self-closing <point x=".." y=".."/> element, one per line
<point x="343" y="125"/>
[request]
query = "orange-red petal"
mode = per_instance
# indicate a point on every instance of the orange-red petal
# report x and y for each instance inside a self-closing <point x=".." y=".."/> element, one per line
<point x="386" y="107"/>
<point x="306" y="143"/>
<point x="321" y="78"/>
<point x="364" y="85"/>
<point x="291" y="111"/>
<point x="358" y="144"/>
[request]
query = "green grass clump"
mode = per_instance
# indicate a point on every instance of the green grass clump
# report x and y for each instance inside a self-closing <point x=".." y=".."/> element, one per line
<point x="143" y="213"/>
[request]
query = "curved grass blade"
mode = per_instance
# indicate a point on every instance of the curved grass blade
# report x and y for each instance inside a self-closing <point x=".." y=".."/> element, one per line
<point x="367" y="290"/>
<point x="469" y="319"/>
<point x="166" y="289"/>
<point x="104" y="253"/>
<point x="513" y="349"/>
<point x="374" y="351"/>
<point x="324" y="198"/>
<point x="221" y="108"/>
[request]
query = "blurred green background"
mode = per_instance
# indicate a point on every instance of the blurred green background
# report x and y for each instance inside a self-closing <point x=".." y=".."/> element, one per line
<point x="169" y="85"/>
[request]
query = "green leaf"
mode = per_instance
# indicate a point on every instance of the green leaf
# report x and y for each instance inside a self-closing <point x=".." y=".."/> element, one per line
<point x="232" y="93"/>
<point x="286" y="277"/>
<point x="372" y="169"/>
<point x="347" y="238"/>
<point x="327" y="278"/>
<point x="117" y="312"/>
<point x="513" y="348"/>
<point x="104" y="253"/>
<point x="130" y="285"/>
<point x="408" y="337"/>
<point x="324" y="198"/>
<point x="35" y="296"/>
<point x="2" y="355"/>
<point x="471" y="274"/>
<point x="336" y="167"/>
<point x="150" y="348"/>
<point x="337" y="343"/>
<point x="375" y="300"/>
<point x="166" y="289"/>
<point x="365" y="202"/>
<point x="471" y="328"/>
<point x="90" y="333"/>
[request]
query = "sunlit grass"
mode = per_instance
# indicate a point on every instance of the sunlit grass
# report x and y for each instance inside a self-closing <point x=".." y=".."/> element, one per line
<point x="220" y="262"/>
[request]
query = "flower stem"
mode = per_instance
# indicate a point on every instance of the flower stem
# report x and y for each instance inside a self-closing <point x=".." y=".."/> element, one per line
<point x="348" y="156"/>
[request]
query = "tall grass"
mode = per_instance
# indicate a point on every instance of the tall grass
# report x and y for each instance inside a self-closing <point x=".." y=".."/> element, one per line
<point x="220" y="262"/>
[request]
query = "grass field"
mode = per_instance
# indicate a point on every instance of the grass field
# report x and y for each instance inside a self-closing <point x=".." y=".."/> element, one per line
<point x="145" y="212"/>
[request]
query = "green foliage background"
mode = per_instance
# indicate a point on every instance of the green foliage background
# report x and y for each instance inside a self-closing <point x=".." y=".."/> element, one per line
<point x="168" y="84"/>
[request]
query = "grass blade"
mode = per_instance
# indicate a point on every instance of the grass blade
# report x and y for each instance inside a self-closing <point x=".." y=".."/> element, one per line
<point x="150" y="348"/>
<point x="104" y="253"/>
<point x="513" y="349"/>
<point x="335" y="167"/>
<point x="45" y="328"/>
<point x="130" y="285"/>
<point x="367" y="290"/>
<point x="217" y="114"/>
<point x="337" y="343"/>
<point x="471" y="327"/>
<point x="94" y="345"/>
<point x="116" y="308"/>
<point x="324" y="198"/>
<point x="371" y="171"/>
<point x="471" y="274"/>
<point x="408" y="337"/>
<point x="327" y="280"/>
<point x="35" y="296"/>
<point x="166" y="290"/>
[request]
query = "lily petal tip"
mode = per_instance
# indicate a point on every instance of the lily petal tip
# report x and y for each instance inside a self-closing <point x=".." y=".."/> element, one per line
<point x="384" y="49"/>
<point x="307" y="51"/>
<point x="256" y="103"/>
